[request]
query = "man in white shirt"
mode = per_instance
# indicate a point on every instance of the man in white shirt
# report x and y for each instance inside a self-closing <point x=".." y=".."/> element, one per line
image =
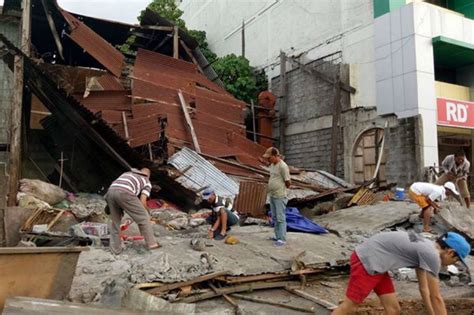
<point x="426" y="195"/>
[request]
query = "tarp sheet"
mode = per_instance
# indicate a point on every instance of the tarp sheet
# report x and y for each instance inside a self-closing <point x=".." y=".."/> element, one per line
<point x="298" y="223"/>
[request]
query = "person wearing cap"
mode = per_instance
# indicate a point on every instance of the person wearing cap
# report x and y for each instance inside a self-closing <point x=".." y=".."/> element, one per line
<point x="223" y="215"/>
<point x="456" y="169"/>
<point x="389" y="251"/>
<point x="426" y="194"/>
<point x="278" y="185"/>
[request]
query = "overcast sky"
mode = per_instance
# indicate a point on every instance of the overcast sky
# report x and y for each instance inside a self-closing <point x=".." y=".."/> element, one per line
<point x="118" y="10"/>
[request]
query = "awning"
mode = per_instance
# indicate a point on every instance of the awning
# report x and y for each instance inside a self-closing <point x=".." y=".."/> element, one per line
<point x="452" y="53"/>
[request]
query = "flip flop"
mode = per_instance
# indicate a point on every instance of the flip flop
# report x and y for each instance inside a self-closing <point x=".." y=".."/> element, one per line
<point x="155" y="247"/>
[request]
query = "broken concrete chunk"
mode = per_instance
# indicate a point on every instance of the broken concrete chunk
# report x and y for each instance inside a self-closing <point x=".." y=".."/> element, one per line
<point x="87" y="205"/>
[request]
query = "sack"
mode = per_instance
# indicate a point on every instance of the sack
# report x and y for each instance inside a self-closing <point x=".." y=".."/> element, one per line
<point x="46" y="192"/>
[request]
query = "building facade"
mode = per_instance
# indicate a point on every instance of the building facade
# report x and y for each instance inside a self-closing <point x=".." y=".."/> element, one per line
<point x="409" y="61"/>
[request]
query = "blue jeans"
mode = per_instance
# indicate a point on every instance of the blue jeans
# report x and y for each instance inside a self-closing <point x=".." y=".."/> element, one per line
<point x="278" y="206"/>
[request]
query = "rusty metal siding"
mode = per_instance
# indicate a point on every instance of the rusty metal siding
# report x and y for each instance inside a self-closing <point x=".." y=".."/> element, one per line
<point x="251" y="199"/>
<point x="198" y="174"/>
<point x="95" y="45"/>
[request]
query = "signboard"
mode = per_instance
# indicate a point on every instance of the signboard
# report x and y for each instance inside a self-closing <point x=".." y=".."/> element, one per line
<point x="455" y="113"/>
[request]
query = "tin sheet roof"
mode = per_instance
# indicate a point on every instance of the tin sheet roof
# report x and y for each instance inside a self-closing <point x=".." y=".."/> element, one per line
<point x="198" y="174"/>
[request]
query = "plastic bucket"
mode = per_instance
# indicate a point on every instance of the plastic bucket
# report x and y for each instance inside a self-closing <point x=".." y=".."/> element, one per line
<point x="400" y="193"/>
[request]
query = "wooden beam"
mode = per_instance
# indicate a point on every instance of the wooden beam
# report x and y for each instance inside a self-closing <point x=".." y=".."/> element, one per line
<point x="335" y="124"/>
<point x="54" y="31"/>
<point x="328" y="305"/>
<point x="283" y="101"/>
<point x="189" y="123"/>
<point x="237" y="289"/>
<point x="264" y="301"/>
<point x="176" y="42"/>
<point x="254" y="128"/>
<point x="168" y="287"/>
<point x="190" y="54"/>
<point x="322" y="76"/>
<point x="17" y="102"/>
<point x="158" y="28"/>
<point x="125" y="126"/>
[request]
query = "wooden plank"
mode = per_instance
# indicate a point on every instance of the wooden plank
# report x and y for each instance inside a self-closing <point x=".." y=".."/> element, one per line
<point x="237" y="289"/>
<point x="335" y="123"/>
<point x="323" y="303"/>
<point x="189" y="123"/>
<point x="190" y="54"/>
<point x="176" y="42"/>
<point x="158" y="27"/>
<point x="264" y="301"/>
<point x="125" y="126"/>
<point x="168" y="287"/>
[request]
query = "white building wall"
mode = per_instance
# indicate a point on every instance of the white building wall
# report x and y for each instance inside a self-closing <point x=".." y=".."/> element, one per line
<point x="405" y="80"/>
<point x="312" y="28"/>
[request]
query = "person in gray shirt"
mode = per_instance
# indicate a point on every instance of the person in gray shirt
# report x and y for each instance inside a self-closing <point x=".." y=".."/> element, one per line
<point x="389" y="251"/>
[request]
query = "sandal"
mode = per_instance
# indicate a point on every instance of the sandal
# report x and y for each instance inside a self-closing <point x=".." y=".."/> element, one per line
<point x="155" y="247"/>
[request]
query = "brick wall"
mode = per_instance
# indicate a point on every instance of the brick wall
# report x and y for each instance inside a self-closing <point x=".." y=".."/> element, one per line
<point x="312" y="150"/>
<point x="309" y="98"/>
<point x="403" y="152"/>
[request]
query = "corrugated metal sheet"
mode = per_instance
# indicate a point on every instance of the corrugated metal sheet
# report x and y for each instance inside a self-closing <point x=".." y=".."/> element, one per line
<point x="95" y="45"/>
<point x="199" y="173"/>
<point x="106" y="100"/>
<point x="251" y="199"/>
<point x="110" y="83"/>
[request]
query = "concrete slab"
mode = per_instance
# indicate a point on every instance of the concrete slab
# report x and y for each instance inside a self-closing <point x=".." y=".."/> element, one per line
<point x="14" y="219"/>
<point x="368" y="219"/>
<point x="176" y="261"/>
<point x="457" y="217"/>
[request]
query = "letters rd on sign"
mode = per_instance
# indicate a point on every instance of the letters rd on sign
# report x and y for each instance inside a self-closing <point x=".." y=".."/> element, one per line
<point x="455" y="113"/>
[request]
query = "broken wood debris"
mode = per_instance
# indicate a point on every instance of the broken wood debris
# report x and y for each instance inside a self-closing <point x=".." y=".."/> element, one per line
<point x="364" y="196"/>
<point x="328" y="305"/>
<point x="264" y="301"/>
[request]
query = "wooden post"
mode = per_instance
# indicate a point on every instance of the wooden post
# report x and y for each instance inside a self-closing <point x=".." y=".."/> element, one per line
<point x="61" y="170"/>
<point x="243" y="38"/>
<point x="52" y="26"/>
<point x="150" y="152"/>
<point x="184" y="107"/>
<point x="17" y="100"/>
<point x="176" y="42"/>
<point x="254" y="129"/>
<point x="125" y="126"/>
<point x="335" y="123"/>
<point x="283" y="100"/>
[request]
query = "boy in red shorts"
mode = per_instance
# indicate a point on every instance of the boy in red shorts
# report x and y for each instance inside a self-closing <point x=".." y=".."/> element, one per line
<point x="371" y="261"/>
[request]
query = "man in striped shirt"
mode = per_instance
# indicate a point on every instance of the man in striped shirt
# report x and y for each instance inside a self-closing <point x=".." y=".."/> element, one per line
<point x="129" y="193"/>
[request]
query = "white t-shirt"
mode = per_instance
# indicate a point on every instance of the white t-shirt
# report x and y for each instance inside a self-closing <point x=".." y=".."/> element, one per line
<point x="432" y="191"/>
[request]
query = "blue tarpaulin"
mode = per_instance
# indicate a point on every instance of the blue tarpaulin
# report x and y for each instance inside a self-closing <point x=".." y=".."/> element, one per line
<point x="296" y="222"/>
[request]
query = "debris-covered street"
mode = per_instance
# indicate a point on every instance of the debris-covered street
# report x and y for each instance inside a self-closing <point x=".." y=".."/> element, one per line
<point x="232" y="157"/>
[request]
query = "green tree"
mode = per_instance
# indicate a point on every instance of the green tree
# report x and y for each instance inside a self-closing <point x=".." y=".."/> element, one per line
<point x="166" y="9"/>
<point x="200" y="37"/>
<point x="239" y="77"/>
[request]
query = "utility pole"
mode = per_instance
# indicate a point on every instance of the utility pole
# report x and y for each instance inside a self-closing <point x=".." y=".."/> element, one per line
<point x="243" y="38"/>
<point x="283" y="101"/>
<point x="17" y="101"/>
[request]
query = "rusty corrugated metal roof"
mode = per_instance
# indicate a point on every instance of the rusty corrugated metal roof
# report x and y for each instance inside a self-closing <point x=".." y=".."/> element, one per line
<point x="95" y="45"/>
<point x="251" y="199"/>
<point x="109" y="82"/>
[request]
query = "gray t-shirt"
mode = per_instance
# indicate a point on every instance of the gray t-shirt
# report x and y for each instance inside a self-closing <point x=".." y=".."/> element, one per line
<point x="394" y="250"/>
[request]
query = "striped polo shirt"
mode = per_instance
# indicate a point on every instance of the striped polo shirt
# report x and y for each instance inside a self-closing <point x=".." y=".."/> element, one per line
<point x="135" y="182"/>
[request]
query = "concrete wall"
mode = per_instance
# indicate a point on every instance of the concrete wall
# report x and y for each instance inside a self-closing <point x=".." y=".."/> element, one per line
<point x="312" y="29"/>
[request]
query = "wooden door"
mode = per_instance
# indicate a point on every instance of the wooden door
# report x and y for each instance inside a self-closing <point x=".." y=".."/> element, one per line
<point x="365" y="156"/>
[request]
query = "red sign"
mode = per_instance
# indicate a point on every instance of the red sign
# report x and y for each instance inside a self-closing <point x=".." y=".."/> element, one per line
<point x="455" y="113"/>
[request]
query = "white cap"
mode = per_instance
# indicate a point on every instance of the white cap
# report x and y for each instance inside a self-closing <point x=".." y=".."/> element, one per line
<point x="450" y="186"/>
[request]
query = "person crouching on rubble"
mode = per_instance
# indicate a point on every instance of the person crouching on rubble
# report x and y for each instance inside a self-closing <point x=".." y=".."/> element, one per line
<point x="223" y="216"/>
<point x="425" y="195"/>
<point x="390" y="251"/>
<point x="128" y="194"/>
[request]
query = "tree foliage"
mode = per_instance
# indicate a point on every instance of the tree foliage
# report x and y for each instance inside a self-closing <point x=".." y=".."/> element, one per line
<point x="200" y="37"/>
<point x="239" y="77"/>
<point x="166" y="9"/>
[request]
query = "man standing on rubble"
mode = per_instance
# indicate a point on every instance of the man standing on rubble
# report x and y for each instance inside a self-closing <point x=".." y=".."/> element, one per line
<point x="425" y="195"/>
<point x="278" y="185"/>
<point x="128" y="194"/>
<point x="390" y="251"/>
<point x="223" y="215"/>
<point x="456" y="169"/>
